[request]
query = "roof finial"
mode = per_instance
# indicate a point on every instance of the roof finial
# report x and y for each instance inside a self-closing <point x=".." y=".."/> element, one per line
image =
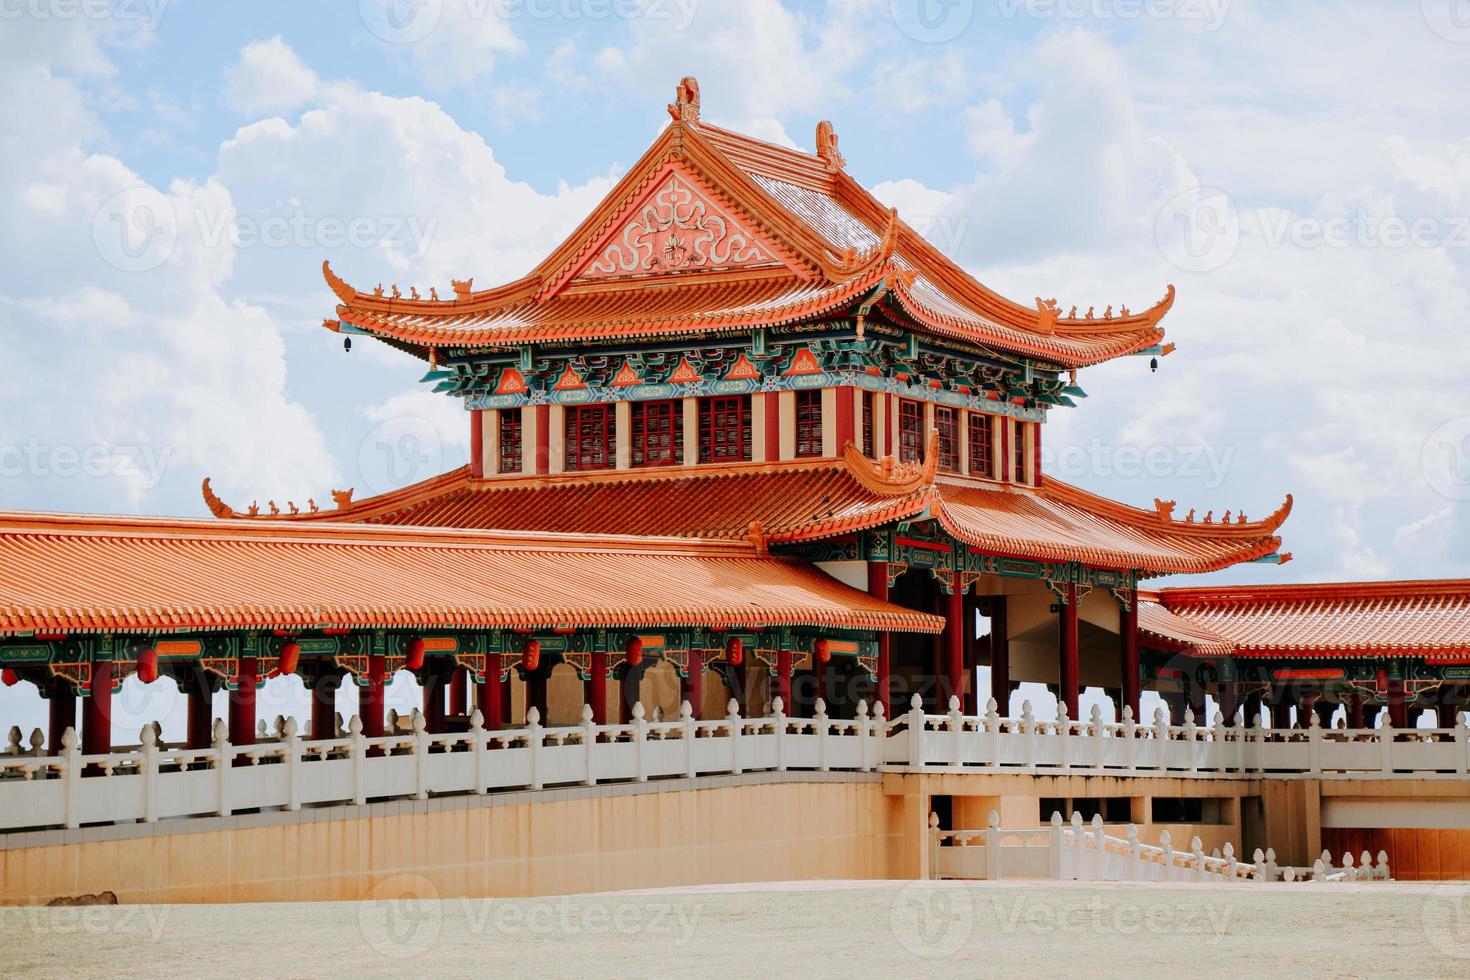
<point x="827" y="146"/>
<point x="685" y="107"/>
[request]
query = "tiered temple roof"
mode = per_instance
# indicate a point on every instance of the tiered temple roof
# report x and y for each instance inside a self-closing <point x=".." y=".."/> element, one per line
<point x="736" y="234"/>
<point x="1431" y="619"/>
<point x="70" y="573"/>
<point x="807" y="500"/>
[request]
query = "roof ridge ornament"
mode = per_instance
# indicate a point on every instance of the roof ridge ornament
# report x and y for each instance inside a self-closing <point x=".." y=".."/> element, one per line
<point x="827" y="146"/>
<point x="890" y="477"/>
<point x="685" y="107"/>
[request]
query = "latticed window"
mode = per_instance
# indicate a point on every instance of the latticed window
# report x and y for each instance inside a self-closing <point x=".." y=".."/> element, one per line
<point x="910" y="431"/>
<point x="658" y="433"/>
<point x="980" y="456"/>
<point x="724" y="429"/>
<point x="591" y="438"/>
<point x="949" y="443"/>
<point x="510" y="440"/>
<point x="808" y="423"/>
<point x="1018" y="466"/>
<point x="868" y="446"/>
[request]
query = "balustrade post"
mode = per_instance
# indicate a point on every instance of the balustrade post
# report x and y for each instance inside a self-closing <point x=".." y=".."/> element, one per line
<point x="1462" y="744"/>
<point x="1028" y="732"/>
<point x="1232" y="866"/>
<point x="1054" y="848"/>
<point x="778" y="715"/>
<point x="1166" y="843"/>
<point x="933" y="845"/>
<point x="72" y="761"/>
<point x="1161" y="739"/>
<point x="691" y="732"/>
<point x="819" y="718"/>
<point x="865" y="733"/>
<point x="589" y="741"/>
<point x="480" y="746"/>
<point x="294" y="761"/>
<point x="992" y="732"/>
<point x="421" y="755"/>
<point x="1314" y="743"/>
<point x="148" y="742"/>
<point x="640" y="739"/>
<point x="1135" y="854"/>
<point x="1385" y="745"/>
<point x="358" y="749"/>
<point x="732" y="719"/>
<point x="1130" y="737"/>
<point x="956" y="723"/>
<point x="224" y="763"/>
<point x="1064" y="732"/>
<point x="1095" y="732"/>
<point x="916" y="731"/>
<point x="1196" y="849"/>
<point x="880" y="735"/>
<point x="533" y="745"/>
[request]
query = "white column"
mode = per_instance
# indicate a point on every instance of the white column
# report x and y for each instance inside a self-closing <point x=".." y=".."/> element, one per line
<point x="623" y="419"/>
<point x="829" y="422"/>
<point x="786" y="403"/>
<point x="691" y="431"/>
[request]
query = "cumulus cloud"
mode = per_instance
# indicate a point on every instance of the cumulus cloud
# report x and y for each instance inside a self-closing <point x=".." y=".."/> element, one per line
<point x="269" y="78"/>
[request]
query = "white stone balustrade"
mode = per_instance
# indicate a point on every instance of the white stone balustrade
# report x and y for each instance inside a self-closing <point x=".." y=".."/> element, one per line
<point x="283" y="770"/>
<point x="1076" y="853"/>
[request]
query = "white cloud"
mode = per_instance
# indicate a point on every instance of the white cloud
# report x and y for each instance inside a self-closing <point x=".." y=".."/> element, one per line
<point x="454" y="43"/>
<point x="269" y="78"/>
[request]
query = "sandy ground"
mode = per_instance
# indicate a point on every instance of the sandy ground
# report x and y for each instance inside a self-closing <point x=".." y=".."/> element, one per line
<point x="779" y="929"/>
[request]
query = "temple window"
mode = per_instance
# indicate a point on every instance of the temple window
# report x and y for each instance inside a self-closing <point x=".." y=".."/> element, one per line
<point x="724" y="429"/>
<point x="910" y="431"/>
<point x="808" y="423"/>
<point x="509" y="437"/>
<point x="1018" y="466"/>
<point x="658" y="433"/>
<point x="591" y="441"/>
<point x="868" y="446"/>
<point x="949" y="445"/>
<point x="980" y="434"/>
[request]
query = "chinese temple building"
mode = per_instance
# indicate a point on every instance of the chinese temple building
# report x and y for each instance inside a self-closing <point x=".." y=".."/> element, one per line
<point x="744" y="435"/>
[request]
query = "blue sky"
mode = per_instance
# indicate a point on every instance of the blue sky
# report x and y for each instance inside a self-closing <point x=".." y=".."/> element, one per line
<point x="1055" y="147"/>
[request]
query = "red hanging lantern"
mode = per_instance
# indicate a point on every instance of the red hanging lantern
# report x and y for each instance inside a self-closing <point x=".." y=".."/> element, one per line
<point x="634" y="651"/>
<point x="734" y="651"/>
<point x="531" y="659"/>
<point x="413" y="654"/>
<point x="9" y="677"/>
<point x="289" y="658"/>
<point x="824" y="651"/>
<point x="148" y="665"/>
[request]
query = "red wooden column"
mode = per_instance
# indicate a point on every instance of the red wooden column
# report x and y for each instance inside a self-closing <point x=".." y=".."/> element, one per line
<point x="1068" y="620"/>
<point x="878" y="589"/>
<point x="536" y="693"/>
<point x="61" y="713"/>
<point x="970" y="701"/>
<point x="370" y="696"/>
<point x="490" y="694"/>
<point x="324" y="707"/>
<point x="1226" y="694"/>
<point x="693" y="683"/>
<point x="1448" y="709"/>
<point x="97" y="711"/>
<point x="773" y="426"/>
<point x="459" y="692"/>
<point x="782" y="688"/>
<point x="542" y="447"/>
<point x="200" y="712"/>
<point x="1398" y="709"/>
<point x="433" y="685"/>
<point x="242" y="703"/>
<point x="1253" y="710"/>
<point x="846" y="424"/>
<point x="628" y="693"/>
<point x="477" y="443"/>
<point x="594" y="688"/>
<point x="1000" y="656"/>
<point x="1128" y="640"/>
<point x="1355" y="709"/>
<point x="954" y="643"/>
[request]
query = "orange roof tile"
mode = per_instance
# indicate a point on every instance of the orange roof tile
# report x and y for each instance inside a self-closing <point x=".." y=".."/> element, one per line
<point x="1169" y="631"/>
<point x="1430" y="618"/>
<point x="82" y="573"/>
<point x="815" y="241"/>
<point x="813" y="499"/>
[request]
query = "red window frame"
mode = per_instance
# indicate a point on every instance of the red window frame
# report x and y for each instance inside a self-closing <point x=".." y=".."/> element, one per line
<point x="980" y="435"/>
<point x="1018" y="453"/>
<point x="910" y="430"/>
<point x="590" y="437"/>
<point x="808" y="423"/>
<point x="949" y="443"/>
<point x="724" y="429"/>
<point x="508" y="439"/>
<point x="658" y="433"/>
<point x="868" y="446"/>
